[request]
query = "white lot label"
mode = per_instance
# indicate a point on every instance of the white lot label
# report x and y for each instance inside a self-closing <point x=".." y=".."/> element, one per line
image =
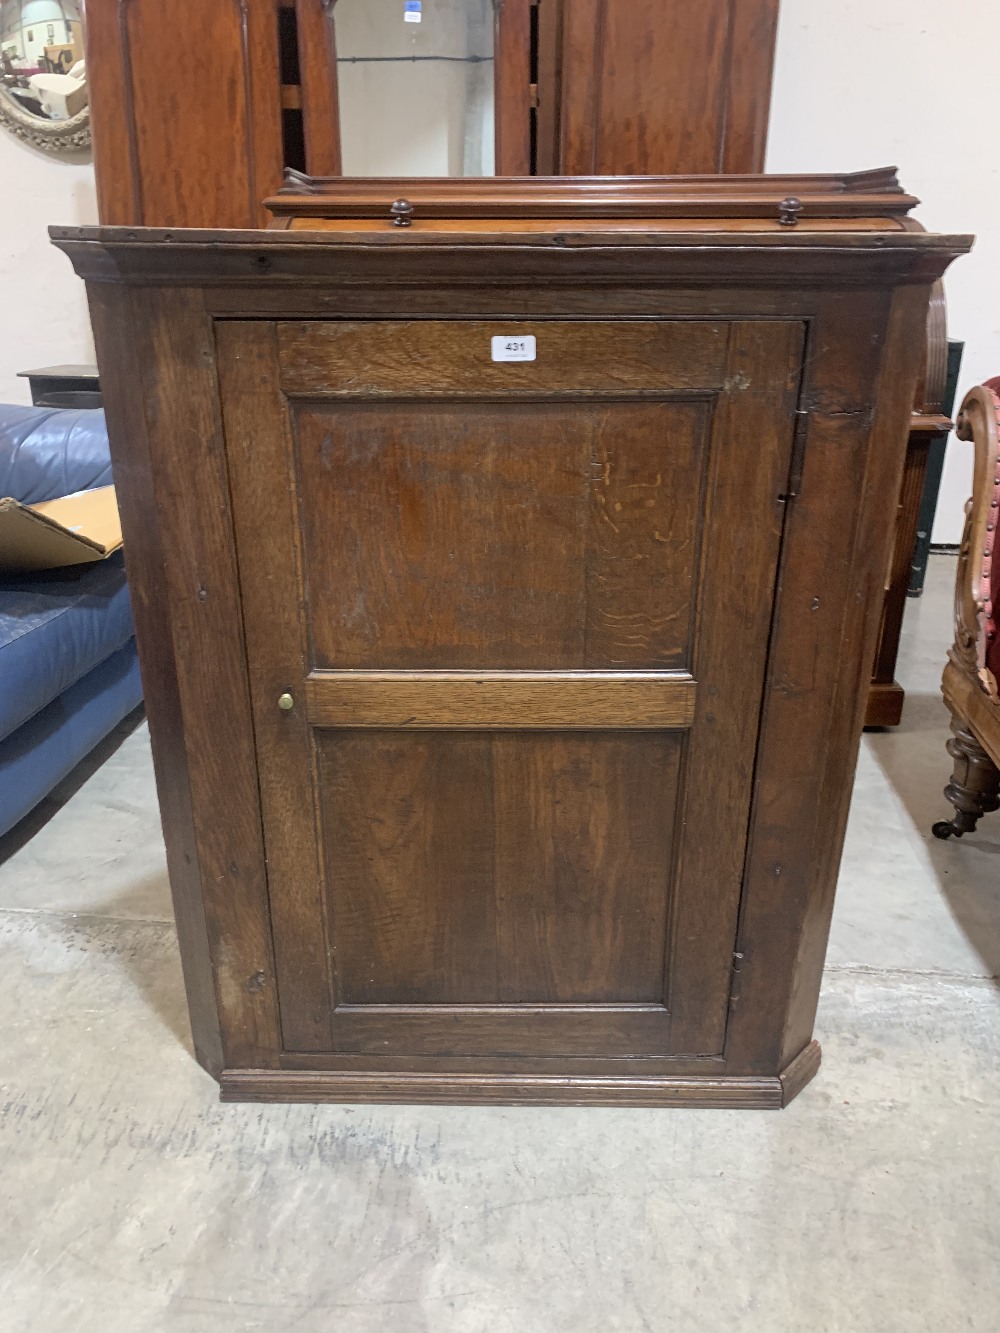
<point x="514" y="349"/>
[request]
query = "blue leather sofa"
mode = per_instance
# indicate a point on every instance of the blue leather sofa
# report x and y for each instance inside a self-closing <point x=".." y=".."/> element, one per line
<point x="68" y="666"/>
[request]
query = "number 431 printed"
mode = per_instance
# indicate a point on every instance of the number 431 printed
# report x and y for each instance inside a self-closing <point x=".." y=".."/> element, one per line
<point x="514" y="349"/>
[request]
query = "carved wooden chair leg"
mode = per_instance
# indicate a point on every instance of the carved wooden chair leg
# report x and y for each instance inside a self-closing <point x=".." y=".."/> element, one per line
<point x="974" y="788"/>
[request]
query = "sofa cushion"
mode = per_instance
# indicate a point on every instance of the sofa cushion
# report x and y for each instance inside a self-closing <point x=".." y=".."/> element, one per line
<point x="44" y="750"/>
<point x="54" y="628"/>
<point x="46" y="452"/>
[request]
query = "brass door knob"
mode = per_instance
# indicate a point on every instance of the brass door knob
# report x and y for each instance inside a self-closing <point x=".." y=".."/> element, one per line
<point x="285" y="702"/>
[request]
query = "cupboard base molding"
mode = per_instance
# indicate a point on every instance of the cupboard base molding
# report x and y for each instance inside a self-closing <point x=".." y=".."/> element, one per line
<point x="707" y="1091"/>
<point x="802" y="1070"/>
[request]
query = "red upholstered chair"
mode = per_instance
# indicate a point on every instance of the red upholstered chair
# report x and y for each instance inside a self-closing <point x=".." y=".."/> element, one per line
<point x="970" y="683"/>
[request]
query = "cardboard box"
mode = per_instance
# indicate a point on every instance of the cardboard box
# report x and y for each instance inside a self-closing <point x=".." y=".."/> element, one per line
<point x="75" y="530"/>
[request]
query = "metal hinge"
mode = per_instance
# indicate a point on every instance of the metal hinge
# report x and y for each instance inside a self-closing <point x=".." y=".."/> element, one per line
<point x="798" y="457"/>
<point x="533" y="95"/>
<point x="739" y="958"/>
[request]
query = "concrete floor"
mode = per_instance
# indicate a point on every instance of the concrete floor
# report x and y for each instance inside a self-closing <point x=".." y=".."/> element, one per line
<point x="133" y="1202"/>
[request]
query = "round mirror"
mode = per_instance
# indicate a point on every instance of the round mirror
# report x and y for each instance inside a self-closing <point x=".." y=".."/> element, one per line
<point x="43" y="84"/>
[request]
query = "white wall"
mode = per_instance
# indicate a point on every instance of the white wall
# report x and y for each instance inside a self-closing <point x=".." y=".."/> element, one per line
<point x="865" y="83"/>
<point x="43" y="308"/>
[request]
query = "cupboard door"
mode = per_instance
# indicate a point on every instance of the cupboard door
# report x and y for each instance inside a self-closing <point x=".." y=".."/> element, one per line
<point x="507" y="627"/>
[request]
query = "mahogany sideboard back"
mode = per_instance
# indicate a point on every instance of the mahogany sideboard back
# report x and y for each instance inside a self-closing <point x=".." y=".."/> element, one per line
<point x="506" y="561"/>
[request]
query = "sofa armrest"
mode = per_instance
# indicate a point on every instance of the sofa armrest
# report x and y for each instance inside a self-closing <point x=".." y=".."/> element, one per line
<point x="46" y="452"/>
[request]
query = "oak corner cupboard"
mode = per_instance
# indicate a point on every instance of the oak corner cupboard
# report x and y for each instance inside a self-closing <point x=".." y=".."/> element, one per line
<point x="507" y="561"/>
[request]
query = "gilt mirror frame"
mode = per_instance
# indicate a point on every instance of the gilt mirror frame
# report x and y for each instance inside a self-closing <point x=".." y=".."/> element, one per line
<point x="51" y="136"/>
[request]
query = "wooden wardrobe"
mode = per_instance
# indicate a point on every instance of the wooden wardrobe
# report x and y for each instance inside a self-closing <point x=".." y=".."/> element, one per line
<point x="198" y="108"/>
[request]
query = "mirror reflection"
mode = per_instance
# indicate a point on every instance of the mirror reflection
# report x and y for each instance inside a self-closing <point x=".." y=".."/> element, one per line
<point x="41" y="58"/>
<point x="415" y="84"/>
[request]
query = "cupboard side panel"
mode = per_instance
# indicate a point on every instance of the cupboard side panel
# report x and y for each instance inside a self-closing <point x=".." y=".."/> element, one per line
<point x="897" y="370"/>
<point x="157" y="356"/>
<point x="176" y="354"/>
<point x="833" y="562"/>
<point x="114" y="335"/>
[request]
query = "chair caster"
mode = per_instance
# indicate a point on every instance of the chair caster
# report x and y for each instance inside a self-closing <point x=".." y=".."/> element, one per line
<point x="974" y="789"/>
<point x="945" y="829"/>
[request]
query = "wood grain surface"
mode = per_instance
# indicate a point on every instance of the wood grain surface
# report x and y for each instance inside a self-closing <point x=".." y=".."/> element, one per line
<point x="447" y="360"/>
<point x="199" y="144"/>
<point x="539" y="913"/>
<point x="500" y="700"/>
<point x="506" y="534"/>
<point x="447" y="563"/>
<point x="467" y="869"/>
<point x="645" y="87"/>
